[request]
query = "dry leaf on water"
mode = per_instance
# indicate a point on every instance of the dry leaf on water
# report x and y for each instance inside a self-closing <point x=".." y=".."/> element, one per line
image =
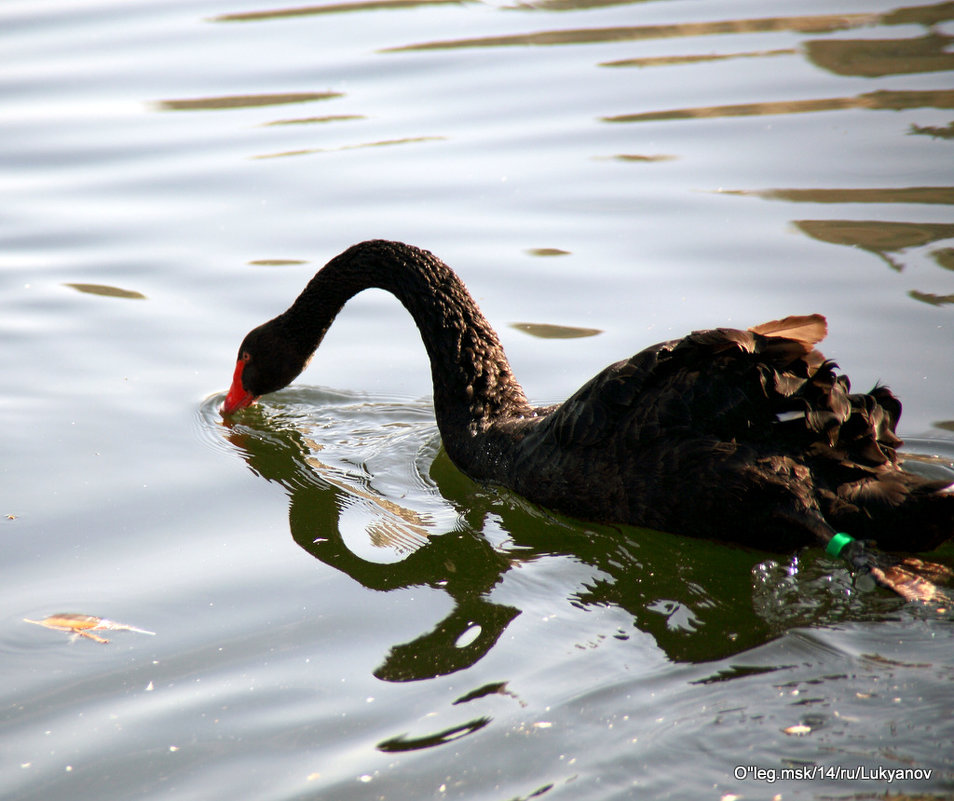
<point x="84" y="625"/>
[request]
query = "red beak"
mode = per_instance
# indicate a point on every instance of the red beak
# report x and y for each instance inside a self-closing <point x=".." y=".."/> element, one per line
<point x="238" y="397"/>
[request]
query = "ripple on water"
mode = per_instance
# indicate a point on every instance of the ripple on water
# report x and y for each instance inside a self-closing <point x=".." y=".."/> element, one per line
<point x="375" y="452"/>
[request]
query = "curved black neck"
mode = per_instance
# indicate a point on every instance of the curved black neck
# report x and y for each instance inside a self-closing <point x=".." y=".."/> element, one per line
<point x="473" y="383"/>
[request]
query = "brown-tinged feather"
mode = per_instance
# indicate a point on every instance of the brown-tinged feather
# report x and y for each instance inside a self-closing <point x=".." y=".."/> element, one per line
<point x="808" y="329"/>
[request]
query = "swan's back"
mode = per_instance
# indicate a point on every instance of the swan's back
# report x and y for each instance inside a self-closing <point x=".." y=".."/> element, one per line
<point x="744" y="435"/>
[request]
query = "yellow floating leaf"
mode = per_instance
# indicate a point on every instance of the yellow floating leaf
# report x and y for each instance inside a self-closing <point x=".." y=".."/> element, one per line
<point x="84" y="625"/>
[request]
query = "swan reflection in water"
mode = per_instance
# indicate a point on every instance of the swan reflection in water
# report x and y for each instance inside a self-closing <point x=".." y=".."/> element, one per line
<point x="436" y="528"/>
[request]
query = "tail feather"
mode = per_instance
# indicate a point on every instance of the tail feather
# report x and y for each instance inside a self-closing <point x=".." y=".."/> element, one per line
<point x="807" y="330"/>
<point x="768" y="389"/>
<point x="849" y="442"/>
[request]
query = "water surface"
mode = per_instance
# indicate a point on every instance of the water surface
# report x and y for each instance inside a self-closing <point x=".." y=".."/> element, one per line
<point x="339" y="613"/>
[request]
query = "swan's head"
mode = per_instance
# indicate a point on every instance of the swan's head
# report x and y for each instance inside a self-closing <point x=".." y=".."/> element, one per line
<point x="267" y="361"/>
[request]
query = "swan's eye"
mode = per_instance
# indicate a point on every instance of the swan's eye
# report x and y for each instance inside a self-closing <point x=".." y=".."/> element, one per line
<point x="246" y="356"/>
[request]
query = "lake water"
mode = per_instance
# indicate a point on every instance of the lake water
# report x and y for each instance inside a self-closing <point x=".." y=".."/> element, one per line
<point x="338" y="612"/>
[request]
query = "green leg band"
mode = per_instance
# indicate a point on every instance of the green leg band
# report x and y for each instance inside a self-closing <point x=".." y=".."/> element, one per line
<point x="837" y="544"/>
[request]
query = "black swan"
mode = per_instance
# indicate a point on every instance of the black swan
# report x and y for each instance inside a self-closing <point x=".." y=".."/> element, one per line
<point x="744" y="436"/>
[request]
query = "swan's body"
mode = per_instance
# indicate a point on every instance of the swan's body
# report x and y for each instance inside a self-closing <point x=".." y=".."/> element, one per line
<point x="747" y="436"/>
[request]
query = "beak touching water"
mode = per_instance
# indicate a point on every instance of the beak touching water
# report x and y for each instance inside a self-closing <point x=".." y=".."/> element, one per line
<point x="238" y="397"/>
